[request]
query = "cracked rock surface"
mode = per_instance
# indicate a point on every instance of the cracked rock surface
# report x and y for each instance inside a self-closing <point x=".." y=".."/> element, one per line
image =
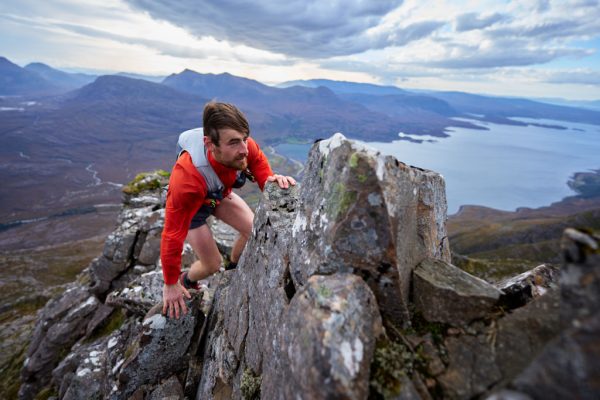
<point x="344" y="290"/>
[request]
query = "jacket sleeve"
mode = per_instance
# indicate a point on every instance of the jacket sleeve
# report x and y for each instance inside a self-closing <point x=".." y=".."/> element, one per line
<point x="258" y="163"/>
<point x="185" y="196"/>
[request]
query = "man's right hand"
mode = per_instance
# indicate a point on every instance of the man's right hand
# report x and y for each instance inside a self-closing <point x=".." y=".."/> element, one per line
<point x="173" y="300"/>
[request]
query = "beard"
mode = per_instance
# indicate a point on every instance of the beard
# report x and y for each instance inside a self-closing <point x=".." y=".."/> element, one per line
<point x="239" y="164"/>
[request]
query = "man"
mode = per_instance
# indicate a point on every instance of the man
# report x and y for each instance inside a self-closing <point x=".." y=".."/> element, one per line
<point x="222" y="152"/>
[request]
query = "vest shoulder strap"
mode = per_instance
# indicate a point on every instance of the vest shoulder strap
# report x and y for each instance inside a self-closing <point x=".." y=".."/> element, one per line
<point x="192" y="141"/>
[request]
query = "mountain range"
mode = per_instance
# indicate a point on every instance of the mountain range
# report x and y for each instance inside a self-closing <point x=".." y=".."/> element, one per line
<point x="67" y="140"/>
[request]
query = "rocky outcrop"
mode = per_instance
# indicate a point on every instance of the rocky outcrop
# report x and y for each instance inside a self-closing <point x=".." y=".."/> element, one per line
<point x="519" y="290"/>
<point x="368" y="214"/>
<point x="448" y="335"/>
<point x="159" y="351"/>
<point x="345" y="290"/>
<point x="103" y="337"/>
<point x="569" y="366"/>
<point x="445" y="293"/>
<point x="61" y="324"/>
<point x="359" y="219"/>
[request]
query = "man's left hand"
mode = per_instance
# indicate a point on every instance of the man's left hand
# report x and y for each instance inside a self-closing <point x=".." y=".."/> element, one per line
<point x="284" y="182"/>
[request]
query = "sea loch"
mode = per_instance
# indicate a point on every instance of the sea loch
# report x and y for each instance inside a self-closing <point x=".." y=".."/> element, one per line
<point x="503" y="167"/>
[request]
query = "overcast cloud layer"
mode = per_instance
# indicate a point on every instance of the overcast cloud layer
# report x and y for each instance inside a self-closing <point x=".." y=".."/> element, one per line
<point x="488" y="45"/>
<point x="325" y="29"/>
<point x="308" y="28"/>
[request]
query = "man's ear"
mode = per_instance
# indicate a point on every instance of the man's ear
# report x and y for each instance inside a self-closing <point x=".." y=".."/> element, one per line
<point x="208" y="143"/>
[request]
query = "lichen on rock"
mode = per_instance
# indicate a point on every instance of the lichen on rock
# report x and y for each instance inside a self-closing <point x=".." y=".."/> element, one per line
<point x="345" y="290"/>
<point x="250" y="385"/>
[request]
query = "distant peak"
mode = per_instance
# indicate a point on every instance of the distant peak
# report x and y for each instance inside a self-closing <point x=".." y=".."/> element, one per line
<point x="188" y="71"/>
<point x="5" y="60"/>
<point x="38" y="65"/>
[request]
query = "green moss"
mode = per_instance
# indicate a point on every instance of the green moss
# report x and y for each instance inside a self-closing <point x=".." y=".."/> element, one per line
<point x="324" y="291"/>
<point x="362" y="178"/>
<point x="10" y="374"/>
<point x="114" y="322"/>
<point x="348" y="199"/>
<point x="392" y="361"/>
<point x="340" y="200"/>
<point x="46" y="393"/>
<point x="146" y="181"/>
<point x="130" y="350"/>
<point x="421" y="326"/>
<point x="250" y="385"/>
<point x="354" y="160"/>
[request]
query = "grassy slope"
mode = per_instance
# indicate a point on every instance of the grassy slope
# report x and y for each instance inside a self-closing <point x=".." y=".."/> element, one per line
<point x="28" y="278"/>
<point x="500" y="243"/>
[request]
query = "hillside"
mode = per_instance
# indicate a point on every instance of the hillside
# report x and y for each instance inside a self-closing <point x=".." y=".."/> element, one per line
<point x="498" y="242"/>
<point x="295" y="112"/>
<point x="64" y="80"/>
<point x="68" y="153"/>
<point x="15" y="80"/>
<point x="84" y="143"/>
<point x="473" y="106"/>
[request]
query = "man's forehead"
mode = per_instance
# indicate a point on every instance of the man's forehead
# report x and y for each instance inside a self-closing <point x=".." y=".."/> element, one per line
<point x="227" y="134"/>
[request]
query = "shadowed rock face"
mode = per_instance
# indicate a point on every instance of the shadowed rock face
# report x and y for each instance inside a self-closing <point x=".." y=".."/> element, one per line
<point x="569" y="366"/>
<point x="445" y="293"/>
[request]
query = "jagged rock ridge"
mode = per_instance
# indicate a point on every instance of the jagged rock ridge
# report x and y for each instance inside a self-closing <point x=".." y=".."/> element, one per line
<point x="345" y="290"/>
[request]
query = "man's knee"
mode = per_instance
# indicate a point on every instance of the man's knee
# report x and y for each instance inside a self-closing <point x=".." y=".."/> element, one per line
<point x="215" y="267"/>
<point x="246" y="228"/>
<point x="246" y="232"/>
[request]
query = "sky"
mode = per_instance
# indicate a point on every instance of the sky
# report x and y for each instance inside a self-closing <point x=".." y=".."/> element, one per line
<point x="527" y="48"/>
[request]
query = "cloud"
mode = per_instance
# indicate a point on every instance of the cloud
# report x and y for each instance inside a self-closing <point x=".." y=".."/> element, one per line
<point x="306" y="29"/>
<point x="210" y="49"/>
<point x="410" y="41"/>
<point x="505" y="57"/>
<point x="472" y="21"/>
<point x="207" y="49"/>
<point x="575" y="19"/>
<point x="579" y="77"/>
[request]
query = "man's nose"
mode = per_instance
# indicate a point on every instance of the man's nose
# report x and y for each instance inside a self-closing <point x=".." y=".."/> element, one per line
<point x="244" y="149"/>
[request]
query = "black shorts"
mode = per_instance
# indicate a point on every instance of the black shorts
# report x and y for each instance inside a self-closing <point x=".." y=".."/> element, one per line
<point x="203" y="213"/>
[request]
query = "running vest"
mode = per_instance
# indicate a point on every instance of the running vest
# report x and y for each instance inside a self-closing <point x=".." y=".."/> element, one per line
<point x="192" y="141"/>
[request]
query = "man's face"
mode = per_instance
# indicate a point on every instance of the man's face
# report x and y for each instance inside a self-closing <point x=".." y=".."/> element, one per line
<point x="232" y="150"/>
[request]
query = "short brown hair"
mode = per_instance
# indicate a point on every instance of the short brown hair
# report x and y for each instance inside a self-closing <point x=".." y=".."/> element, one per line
<point x="223" y="115"/>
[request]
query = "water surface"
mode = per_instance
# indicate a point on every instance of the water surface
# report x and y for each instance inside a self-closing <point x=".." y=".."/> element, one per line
<point x="504" y="167"/>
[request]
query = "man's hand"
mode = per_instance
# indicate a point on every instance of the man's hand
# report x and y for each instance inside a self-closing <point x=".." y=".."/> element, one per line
<point x="173" y="300"/>
<point x="284" y="182"/>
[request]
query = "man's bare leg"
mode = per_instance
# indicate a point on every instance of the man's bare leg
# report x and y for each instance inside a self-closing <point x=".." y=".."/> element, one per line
<point x="209" y="259"/>
<point x="238" y="247"/>
<point x="234" y="211"/>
